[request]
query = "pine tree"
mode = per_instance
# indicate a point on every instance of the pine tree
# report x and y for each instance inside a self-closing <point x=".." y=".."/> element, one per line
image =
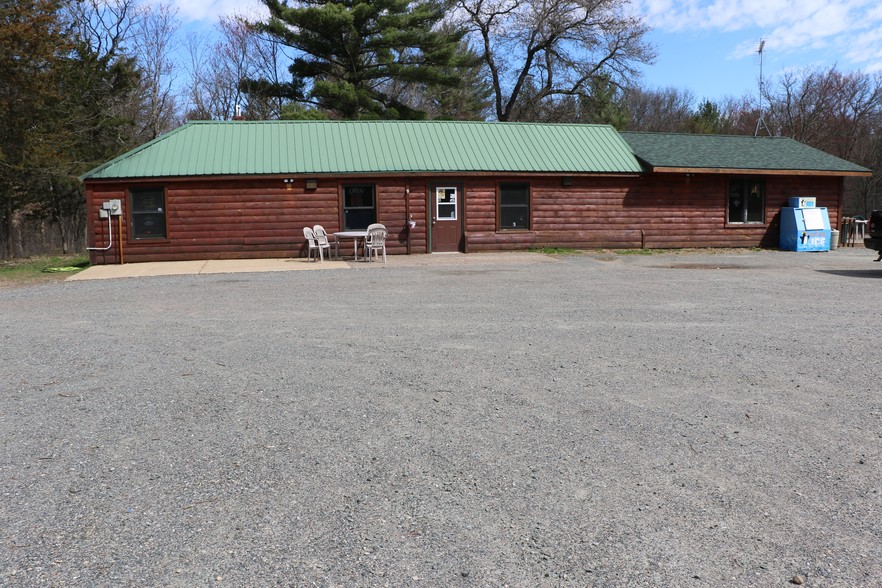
<point x="350" y="50"/>
<point x="32" y="42"/>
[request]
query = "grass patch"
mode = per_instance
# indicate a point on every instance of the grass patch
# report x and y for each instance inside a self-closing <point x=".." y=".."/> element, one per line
<point x="36" y="270"/>
<point x="688" y="251"/>
<point x="634" y="251"/>
<point x="555" y="250"/>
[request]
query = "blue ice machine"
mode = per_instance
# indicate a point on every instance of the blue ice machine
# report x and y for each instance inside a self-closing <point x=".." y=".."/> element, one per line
<point x="804" y="226"/>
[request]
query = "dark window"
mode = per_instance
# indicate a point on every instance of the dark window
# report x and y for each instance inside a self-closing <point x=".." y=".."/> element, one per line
<point x="359" y="206"/>
<point x="514" y="205"/>
<point x="747" y="201"/>
<point x="148" y="213"/>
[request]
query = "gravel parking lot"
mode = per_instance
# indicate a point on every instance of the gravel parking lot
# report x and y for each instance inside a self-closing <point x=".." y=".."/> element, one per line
<point x="677" y="419"/>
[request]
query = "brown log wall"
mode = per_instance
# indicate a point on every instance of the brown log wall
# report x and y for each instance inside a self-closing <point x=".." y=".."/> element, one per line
<point x="652" y="211"/>
<point x="252" y="218"/>
<point x="239" y="219"/>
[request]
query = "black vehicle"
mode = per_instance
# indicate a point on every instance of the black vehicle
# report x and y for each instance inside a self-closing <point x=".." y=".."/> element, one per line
<point x="874" y="228"/>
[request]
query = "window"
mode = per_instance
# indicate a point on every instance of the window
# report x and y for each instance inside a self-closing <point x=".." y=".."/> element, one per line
<point x="514" y="206"/>
<point x="359" y="206"/>
<point x="445" y="202"/>
<point x="747" y="201"/>
<point x="148" y="213"/>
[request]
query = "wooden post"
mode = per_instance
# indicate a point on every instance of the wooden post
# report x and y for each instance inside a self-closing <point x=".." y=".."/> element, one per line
<point x="121" y="260"/>
<point x="407" y="212"/>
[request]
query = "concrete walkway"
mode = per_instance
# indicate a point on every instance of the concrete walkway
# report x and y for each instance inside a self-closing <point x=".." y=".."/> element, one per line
<point x="212" y="266"/>
<point x="224" y="266"/>
<point x="843" y="259"/>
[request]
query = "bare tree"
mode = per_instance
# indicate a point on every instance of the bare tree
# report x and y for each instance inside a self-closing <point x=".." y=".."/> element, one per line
<point x="740" y="115"/>
<point x="837" y="112"/>
<point x="268" y="59"/>
<point x="214" y="90"/>
<point x="554" y="46"/>
<point x="863" y="195"/>
<point x="827" y="109"/>
<point x="661" y="110"/>
<point x="154" y="44"/>
<point x="106" y="25"/>
<point x="218" y="73"/>
<point x="114" y="30"/>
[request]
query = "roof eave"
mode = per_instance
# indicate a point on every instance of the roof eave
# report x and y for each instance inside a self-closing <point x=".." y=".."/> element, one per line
<point x="132" y="152"/>
<point x="759" y="171"/>
<point x="365" y="174"/>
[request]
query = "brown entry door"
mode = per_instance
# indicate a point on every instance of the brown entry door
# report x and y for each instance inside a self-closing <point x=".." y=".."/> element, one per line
<point x="446" y="218"/>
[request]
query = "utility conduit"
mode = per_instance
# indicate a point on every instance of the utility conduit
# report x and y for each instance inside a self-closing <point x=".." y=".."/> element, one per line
<point x="109" y="232"/>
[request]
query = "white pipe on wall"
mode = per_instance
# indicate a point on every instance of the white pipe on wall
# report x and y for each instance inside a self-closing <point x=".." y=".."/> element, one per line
<point x="109" y="232"/>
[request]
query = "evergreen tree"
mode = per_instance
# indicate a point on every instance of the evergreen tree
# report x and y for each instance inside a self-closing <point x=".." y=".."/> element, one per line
<point x="350" y="50"/>
<point x="470" y="100"/>
<point x="707" y="120"/>
<point x="64" y="107"/>
<point x="603" y="104"/>
<point x="32" y="42"/>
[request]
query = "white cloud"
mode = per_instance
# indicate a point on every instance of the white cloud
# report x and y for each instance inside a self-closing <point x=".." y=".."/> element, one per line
<point x="732" y="16"/>
<point x="209" y="10"/>
<point x="866" y="46"/>
<point x="846" y="27"/>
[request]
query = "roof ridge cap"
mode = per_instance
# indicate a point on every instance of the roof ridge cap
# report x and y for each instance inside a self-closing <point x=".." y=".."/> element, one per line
<point x="397" y="121"/>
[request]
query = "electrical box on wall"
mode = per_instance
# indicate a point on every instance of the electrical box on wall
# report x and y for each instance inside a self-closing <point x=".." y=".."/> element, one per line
<point x="103" y="213"/>
<point x="114" y="207"/>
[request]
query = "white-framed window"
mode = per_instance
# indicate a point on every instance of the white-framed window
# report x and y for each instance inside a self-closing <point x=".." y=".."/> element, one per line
<point x="445" y="203"/>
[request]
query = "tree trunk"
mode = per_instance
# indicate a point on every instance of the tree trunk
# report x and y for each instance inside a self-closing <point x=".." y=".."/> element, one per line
<point x="9" y="227"/>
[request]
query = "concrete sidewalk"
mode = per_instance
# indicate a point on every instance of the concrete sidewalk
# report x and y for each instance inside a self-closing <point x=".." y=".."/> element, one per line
<point x="843" y="259"/>
<point x="212" y="266"/>
<point x="223" y="266"/>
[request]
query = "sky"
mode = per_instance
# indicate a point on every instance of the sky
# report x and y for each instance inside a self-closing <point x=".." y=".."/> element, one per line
<point x="710" y="46"/>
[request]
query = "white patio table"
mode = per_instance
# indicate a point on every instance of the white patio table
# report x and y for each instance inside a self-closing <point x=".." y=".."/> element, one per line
<point x="355" y="236"/>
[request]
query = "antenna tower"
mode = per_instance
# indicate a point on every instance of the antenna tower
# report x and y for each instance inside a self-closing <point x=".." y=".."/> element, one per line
<point x="761" y="123"/>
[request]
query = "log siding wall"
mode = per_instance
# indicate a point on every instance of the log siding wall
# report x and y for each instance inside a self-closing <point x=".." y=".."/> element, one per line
<point x="653" y="211"/>
<point x="264" y="217"/>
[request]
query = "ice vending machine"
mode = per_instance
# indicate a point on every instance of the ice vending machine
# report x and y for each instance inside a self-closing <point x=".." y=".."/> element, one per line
<point x="804" y="226"/>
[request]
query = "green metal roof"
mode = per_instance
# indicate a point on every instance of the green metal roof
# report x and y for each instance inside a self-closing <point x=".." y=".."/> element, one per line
<point x="211" y="148"/>
<point x="726" y="152"/>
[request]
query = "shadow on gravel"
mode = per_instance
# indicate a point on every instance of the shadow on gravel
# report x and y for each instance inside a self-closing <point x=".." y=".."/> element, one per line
<point x="471" y="272"/>
<point x="867" y="273"/>
<point x="702" y="266"/>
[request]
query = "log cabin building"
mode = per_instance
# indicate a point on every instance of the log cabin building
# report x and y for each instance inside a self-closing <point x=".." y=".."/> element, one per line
<point x="222" y="190"/>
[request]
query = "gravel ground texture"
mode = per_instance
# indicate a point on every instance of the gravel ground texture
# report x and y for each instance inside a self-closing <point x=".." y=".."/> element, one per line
<point x="701" y="418"/>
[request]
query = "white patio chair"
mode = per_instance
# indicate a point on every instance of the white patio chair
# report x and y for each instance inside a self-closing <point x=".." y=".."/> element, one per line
<point x="321" y="235"/>
<point x="313" y="245"/>
<point x="375" y="241"/>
